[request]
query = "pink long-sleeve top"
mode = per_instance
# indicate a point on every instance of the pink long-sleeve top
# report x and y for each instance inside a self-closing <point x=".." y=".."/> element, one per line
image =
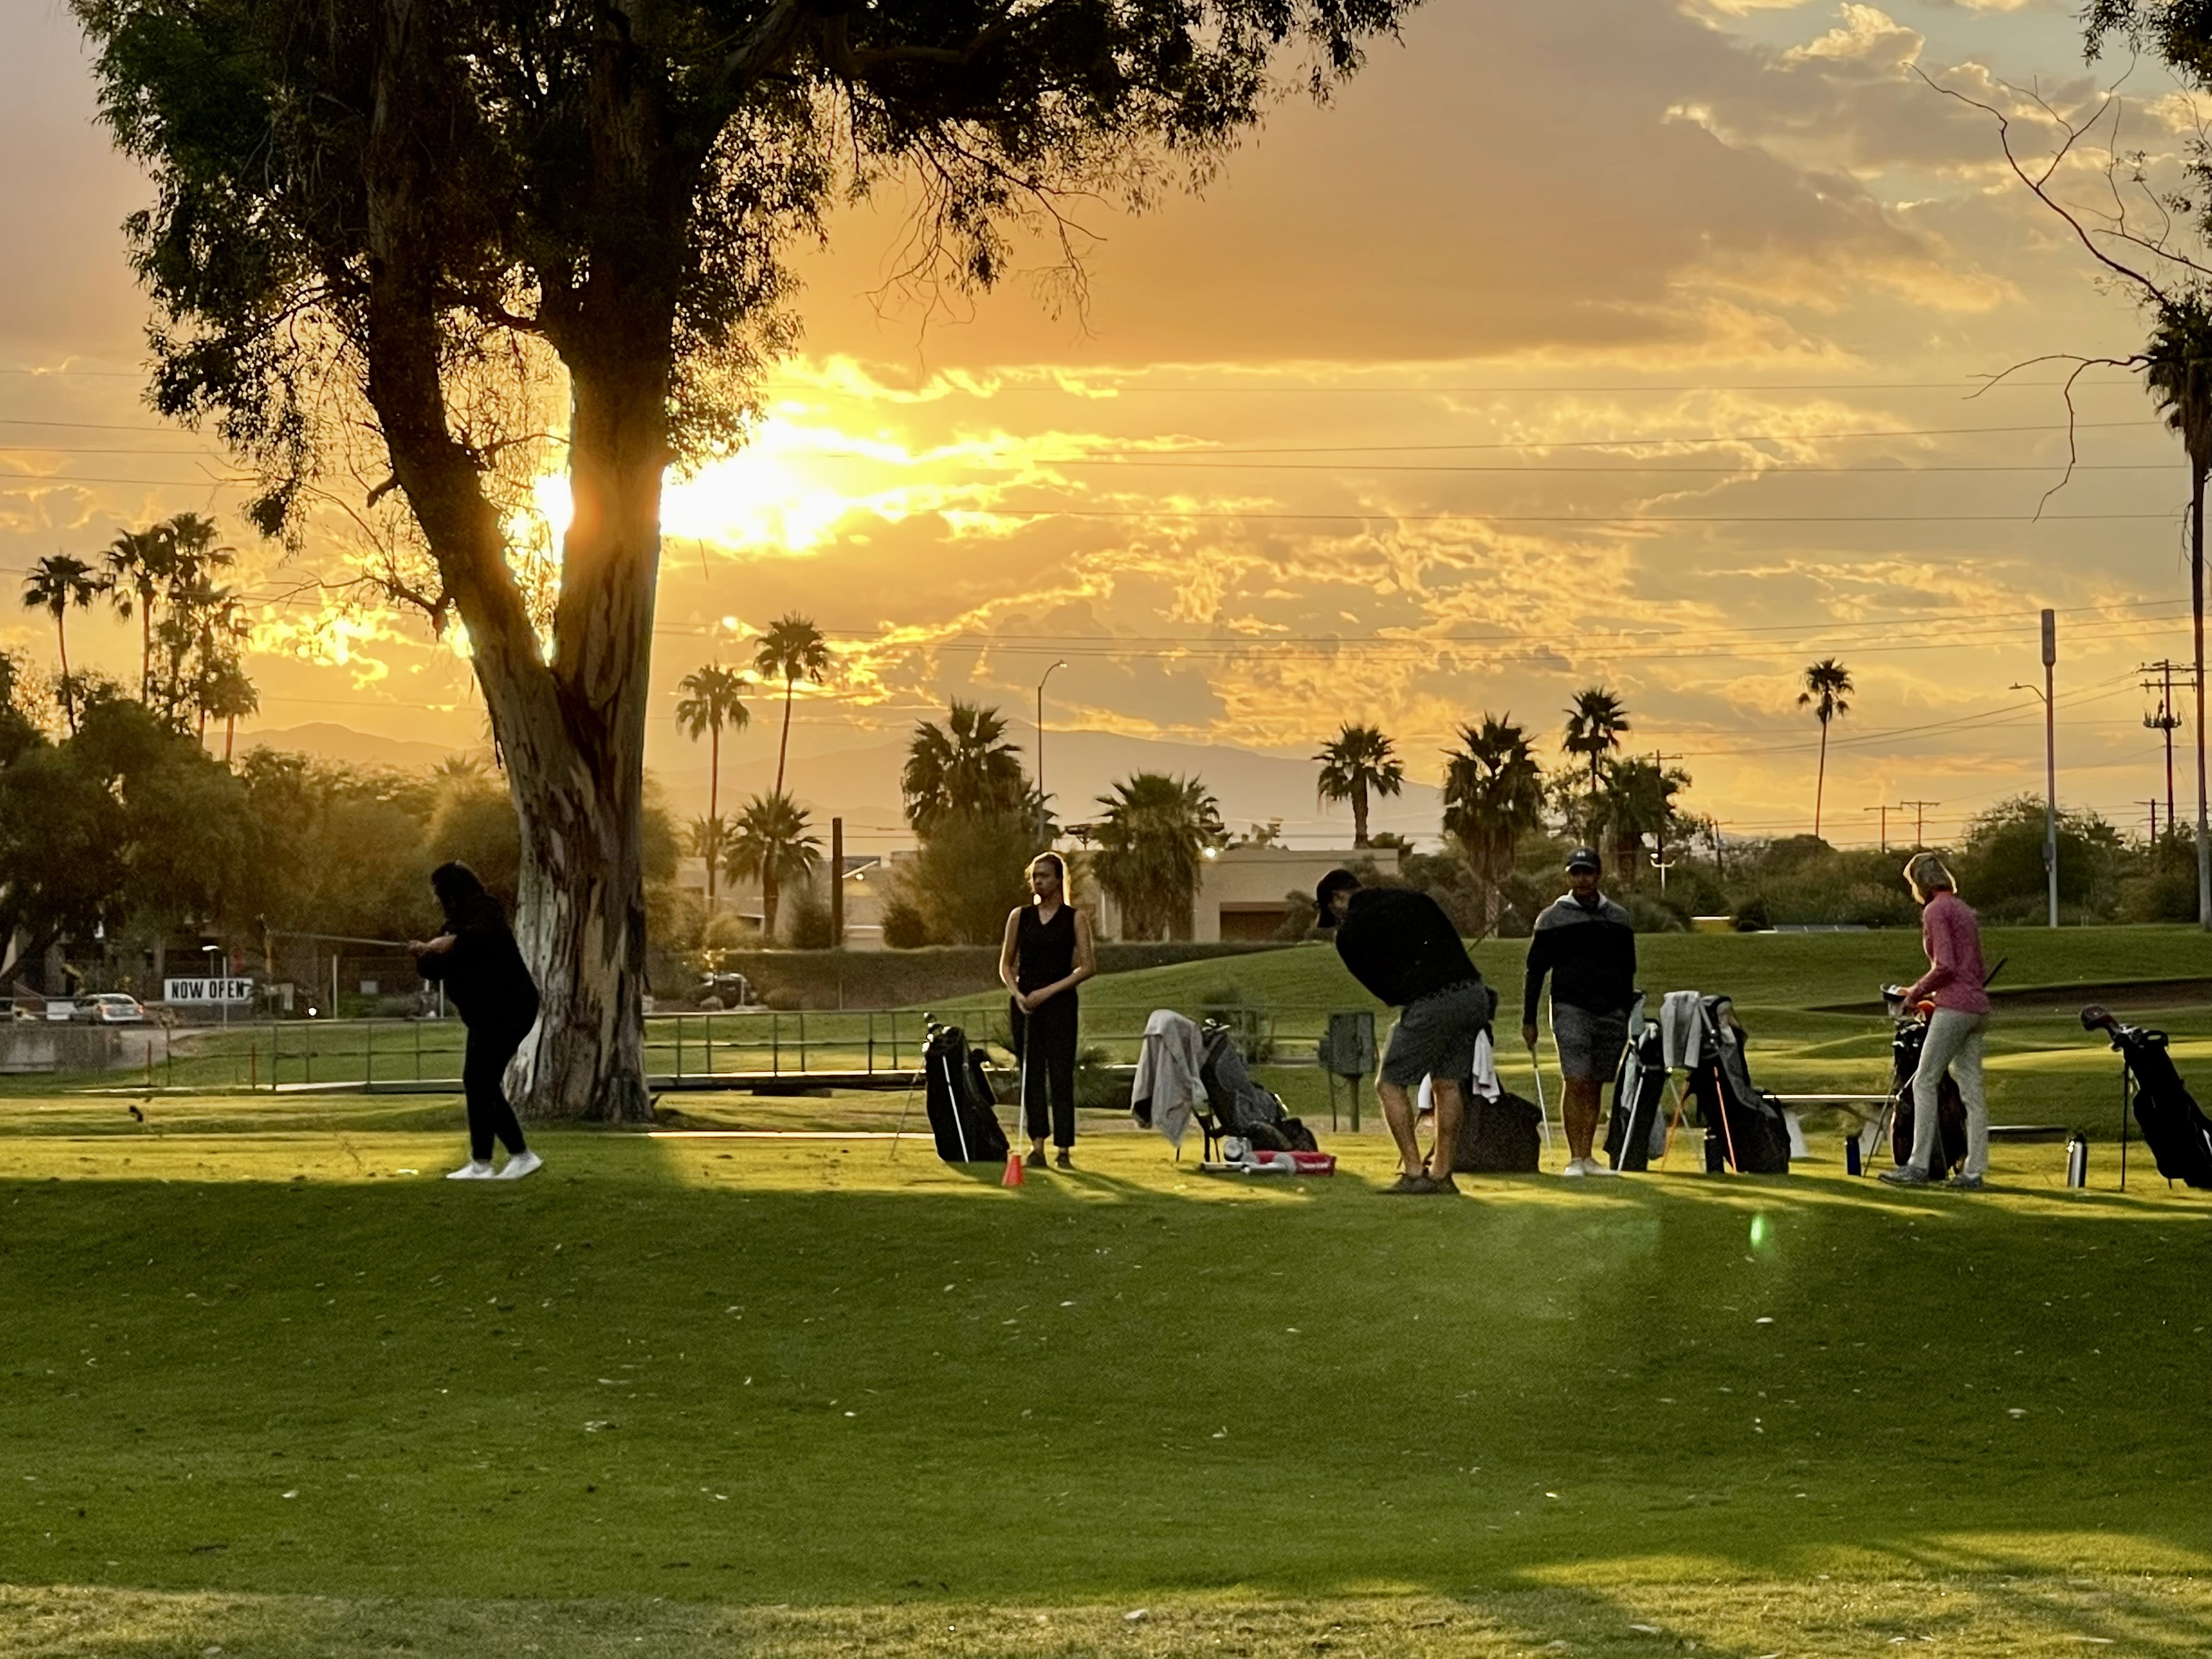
<point x="1953" y="939"/>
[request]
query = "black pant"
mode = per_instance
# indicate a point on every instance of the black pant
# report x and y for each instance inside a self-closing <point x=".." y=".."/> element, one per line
<point x="484" y="1080"/>
<point x="1046" y="1042"/>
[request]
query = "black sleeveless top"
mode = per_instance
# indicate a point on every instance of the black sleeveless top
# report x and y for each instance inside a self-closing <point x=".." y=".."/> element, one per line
<point x="1044" y="950"/>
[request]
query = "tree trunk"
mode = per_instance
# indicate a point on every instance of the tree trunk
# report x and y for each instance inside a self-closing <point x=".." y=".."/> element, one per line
<point x="782" y="749"/>
<point x="714" y="810"/>
<point x="2196" y="474"/>
<point x="68" y="694"/>
<point x="1820" y="780"/>
<point x="1360" y="813"/>
<point x="770" y="888"/>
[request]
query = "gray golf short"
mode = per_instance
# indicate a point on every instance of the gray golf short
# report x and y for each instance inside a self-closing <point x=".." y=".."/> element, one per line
<point x="1435" y="1035"/>
<point x="1589" y="1042"/>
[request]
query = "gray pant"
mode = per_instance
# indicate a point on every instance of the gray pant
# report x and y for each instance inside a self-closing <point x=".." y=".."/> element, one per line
<point x="1954" y="1043"/>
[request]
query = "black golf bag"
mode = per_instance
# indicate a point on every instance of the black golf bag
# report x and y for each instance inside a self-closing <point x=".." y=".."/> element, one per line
<point x="1503" y="1136"/>
<point x="964" y="1112"/>
<point x="1905" y="1042"/>
<point x="1744" y="1127"/>
<point x="1637" y="1130"/>
<point x="2173" y="1127"/>
<point x="1235" y="1105"/>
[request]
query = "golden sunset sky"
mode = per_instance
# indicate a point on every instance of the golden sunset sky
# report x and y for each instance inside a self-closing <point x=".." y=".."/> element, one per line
<point x="1621" y="340"/>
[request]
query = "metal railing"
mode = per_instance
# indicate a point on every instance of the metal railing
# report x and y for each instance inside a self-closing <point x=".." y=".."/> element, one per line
<point x="739" y="1047"/>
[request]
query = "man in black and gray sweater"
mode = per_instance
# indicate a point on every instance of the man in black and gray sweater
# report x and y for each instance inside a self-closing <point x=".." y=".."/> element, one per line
<point x="1585" y="942"/>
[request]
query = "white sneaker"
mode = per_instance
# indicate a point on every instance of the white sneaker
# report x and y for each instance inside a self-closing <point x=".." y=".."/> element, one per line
<point x="1591" y="1166"/>
<point x="1577" y="1167"/>
<point x="519" y="1165"/>
<point x="473" y="1169"/>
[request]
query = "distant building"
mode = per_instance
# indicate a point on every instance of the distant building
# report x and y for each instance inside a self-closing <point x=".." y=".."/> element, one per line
<point x="865" y="891"/>
<point x="1244" y="891"/>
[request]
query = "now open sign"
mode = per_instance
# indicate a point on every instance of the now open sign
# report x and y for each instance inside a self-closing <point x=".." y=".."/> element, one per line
<point x="208" y="991"/>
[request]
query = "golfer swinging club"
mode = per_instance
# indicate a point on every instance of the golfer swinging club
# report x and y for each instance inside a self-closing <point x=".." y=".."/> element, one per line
<point x="489" y="985"/>
<point x="1403" y="948"/>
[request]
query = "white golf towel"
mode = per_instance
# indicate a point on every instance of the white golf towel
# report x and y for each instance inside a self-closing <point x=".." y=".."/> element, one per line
<point x="1484" y="1073"/>
<point x="1681" y="1030"/>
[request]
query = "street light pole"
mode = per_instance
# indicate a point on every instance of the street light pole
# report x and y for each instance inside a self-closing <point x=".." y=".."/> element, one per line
<point x="1040" y="726"/>
<point x="2050" y="759"/>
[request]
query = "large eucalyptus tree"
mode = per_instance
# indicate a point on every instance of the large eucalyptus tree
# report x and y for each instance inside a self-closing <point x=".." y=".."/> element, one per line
<point x="455" y="225"/>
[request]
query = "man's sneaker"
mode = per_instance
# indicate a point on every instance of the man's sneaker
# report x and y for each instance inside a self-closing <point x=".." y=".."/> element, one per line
<point x="474" y="1170"/>
<point x="1576" y="1169"/>
<point x="1443" y="1183"/>
<point x="1409" y="1186"/>
<point x="1592" y="1166"/>
<point x="1965" y="1182"/>
<point x="520" y="1165"/>
<point x="1905" y="1174"/>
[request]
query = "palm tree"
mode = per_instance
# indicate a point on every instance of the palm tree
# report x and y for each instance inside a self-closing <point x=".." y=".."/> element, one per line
<point x="1358" y="759"/>
<point x="1154" y="833"/>
<point x="57" y="582"/>
<point x="1594" y="727"/>
<point x="792" y="650"/>
<point x="1494" y="795"/>
<point x="769" y="842"/>
<point x="2177" y="372"/>
<point x="1827" y="684"/>
<point x="225" y="692"/>
<point x="711" y="701"/>
<point x="963" y="768"/>
<point x="139" y="565"/>
<point x="1637" y="799"/>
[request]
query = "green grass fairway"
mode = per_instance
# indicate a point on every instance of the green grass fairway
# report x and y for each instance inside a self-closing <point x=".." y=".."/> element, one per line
<point x="270" y="1387"/>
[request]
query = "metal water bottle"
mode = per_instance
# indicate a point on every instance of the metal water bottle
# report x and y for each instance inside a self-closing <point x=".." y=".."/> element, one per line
<point x="2077" y="1159"/>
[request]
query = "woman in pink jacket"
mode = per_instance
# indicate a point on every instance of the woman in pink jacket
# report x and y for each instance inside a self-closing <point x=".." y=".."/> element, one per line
<point x="1953" y="938"/>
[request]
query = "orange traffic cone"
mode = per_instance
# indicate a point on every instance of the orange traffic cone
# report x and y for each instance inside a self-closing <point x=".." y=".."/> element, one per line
<point x="1015" y="1176"/>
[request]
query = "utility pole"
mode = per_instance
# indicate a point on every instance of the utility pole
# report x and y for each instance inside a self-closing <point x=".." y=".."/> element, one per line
<point x="2050" y="759"/>
<point x="836" y="884"/>
<point x="1040" y="726"/>
<point x="1884" y="811"/>
<point x="2166" y="721"/>
<point x="1919" y="810"/>
<point x="2152" y="803"/>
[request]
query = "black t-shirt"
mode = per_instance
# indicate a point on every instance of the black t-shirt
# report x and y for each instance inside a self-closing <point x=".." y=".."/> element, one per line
<point x="1400" y="945"/>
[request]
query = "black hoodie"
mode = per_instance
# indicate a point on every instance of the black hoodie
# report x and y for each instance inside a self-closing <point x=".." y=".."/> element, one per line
<point x="485" y="977"/>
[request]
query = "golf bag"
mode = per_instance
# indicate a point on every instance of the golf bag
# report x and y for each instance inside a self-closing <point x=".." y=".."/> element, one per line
<point x="1637" y="1131"/>
<point x="964" y="1112"/>
<point x="1499" y="1137"/>
<point x="1235" y="1105"/>
<point x="2173" y="1128"/>
<point x="1743" y="1126"/>
<point x="1905" y="1042"/>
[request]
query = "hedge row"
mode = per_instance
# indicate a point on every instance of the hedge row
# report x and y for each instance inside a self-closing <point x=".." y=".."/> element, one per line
<point x="904" y="979"/>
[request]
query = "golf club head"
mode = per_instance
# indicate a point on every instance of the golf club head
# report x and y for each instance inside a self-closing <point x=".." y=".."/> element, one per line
<point x="2094" y="1018"/>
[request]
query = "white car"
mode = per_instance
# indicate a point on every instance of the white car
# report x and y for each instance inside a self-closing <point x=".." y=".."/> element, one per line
<point x="112" y="1008"/>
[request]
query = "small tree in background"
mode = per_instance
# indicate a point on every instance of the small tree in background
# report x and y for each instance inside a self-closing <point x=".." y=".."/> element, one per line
<point x="770" y="843"/>
<point x="1827" y="687"/>
<point x="1494" y="795"/>
<point x="1358" y="760"/>
<point x="1151" y="839"/>
<point x="712" y="703"/>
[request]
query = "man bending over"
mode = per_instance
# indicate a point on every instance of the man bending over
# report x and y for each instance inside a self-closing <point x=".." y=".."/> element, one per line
<point x="1403" y="948"/>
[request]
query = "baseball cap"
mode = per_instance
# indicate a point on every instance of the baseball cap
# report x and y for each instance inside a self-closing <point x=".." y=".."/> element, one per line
<point x="1584" y="858"/>
<point x="1329" y="885"/>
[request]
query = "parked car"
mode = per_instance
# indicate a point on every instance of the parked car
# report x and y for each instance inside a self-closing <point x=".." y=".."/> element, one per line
<point x="111" y="1008"/>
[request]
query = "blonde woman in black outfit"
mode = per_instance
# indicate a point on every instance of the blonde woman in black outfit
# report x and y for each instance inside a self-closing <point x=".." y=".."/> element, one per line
<point x="1047" y="954"/>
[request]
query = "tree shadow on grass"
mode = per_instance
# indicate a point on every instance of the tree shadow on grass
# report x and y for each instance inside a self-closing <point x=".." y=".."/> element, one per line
<point x="908" y="1385"/>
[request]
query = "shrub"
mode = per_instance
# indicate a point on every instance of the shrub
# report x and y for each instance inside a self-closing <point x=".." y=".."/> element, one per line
<point x="905" y="928"/>
<point x="1097" y="1088"/>
<point x="1751" y="917"/>
<point x="809" y="919"/>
